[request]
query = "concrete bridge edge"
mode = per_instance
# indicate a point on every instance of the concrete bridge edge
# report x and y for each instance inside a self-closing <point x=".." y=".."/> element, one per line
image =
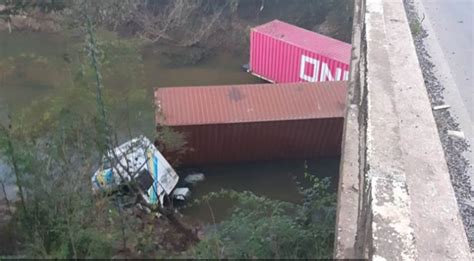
<point x="350" y="182"/>
<point x="395" y="199"/>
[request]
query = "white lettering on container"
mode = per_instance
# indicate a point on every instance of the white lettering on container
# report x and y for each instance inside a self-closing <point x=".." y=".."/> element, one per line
<point x="310" y="78"/>
<point x="325" y="73"/>
<point x="346" y="75"/>
<point x="338" y="73"/>
<point x="322" y="74"/>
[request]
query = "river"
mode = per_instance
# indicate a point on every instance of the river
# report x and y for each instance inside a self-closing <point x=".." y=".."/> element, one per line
<point x="35" y="66"/>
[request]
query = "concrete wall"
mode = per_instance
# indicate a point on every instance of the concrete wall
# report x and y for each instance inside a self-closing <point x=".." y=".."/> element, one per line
<point x="395" y="200"/>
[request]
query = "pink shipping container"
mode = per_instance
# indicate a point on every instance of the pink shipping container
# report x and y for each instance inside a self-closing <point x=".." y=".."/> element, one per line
<point x="284" y="53"/>
<point x="236" y="123"/>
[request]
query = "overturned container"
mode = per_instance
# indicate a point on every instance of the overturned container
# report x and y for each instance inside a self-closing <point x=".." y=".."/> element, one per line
<point x="284" y="53"/>
<point x="236" y="123"/>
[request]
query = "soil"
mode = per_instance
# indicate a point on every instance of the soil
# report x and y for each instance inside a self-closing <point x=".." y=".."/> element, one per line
<point x="166" y="237"/>
<point x="34" y="21"/>
<point x="454" y="148"/>
<point x="230" y="33"/>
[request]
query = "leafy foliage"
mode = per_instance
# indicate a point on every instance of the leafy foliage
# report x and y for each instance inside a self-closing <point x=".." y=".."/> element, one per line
<point x="260" y="227"/>
<point x="54" y="147"/>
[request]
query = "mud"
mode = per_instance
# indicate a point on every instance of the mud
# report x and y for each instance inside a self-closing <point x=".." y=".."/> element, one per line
<point x="194" y="34"/>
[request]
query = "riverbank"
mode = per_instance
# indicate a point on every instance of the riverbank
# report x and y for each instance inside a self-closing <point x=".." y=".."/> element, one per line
<point x="186" y="31"/>
<point x="49" y="88"/>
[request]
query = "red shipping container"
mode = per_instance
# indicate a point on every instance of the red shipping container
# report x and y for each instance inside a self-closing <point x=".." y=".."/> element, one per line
<point x="284" y="53"/>
<point x="255" y="122"/>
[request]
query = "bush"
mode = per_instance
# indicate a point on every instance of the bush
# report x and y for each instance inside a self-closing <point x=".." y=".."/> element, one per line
<point x="265" y="228"/>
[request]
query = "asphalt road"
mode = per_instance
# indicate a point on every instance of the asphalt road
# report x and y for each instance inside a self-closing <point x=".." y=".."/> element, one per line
<point x="452" y="23"/>
<point x="450" y="29"/>
<point x="449" y="47"/>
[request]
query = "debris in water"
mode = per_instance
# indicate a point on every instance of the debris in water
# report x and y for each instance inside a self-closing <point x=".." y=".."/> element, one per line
<point x="181" y="193"/>
<point x="193" y="179"/>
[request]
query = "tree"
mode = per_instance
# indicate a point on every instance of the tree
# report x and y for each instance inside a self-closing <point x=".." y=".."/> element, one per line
<point x="54" y="146"/>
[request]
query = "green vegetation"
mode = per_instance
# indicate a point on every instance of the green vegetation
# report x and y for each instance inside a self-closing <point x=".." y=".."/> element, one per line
<point x="260" y="227"/>
<point x="54" y="145"/>
<point x="416" y="27"/>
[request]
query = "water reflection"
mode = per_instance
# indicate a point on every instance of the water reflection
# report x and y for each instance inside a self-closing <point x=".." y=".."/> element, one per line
<point x="274" y="179"/>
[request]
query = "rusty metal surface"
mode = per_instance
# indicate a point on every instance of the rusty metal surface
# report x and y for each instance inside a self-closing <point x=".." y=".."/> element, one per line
<point x="255" y="122"/>
<point x="250" y="103"/>
<point x="300" y="139"/>
<point x="283" y="53"/>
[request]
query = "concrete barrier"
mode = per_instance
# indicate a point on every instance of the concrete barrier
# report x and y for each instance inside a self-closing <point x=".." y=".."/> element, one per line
<point x="395" y="200"/>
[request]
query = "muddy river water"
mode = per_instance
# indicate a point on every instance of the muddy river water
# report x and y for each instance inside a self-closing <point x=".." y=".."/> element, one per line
<point x="31" y="78"/>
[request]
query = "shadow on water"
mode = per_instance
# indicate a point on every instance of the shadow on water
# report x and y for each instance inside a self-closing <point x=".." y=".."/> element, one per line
<point x="220" y="68"/>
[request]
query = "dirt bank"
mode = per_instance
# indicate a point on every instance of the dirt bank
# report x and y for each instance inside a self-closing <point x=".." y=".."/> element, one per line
<point x="34" y="20"/>
<point x="189" y="31"/>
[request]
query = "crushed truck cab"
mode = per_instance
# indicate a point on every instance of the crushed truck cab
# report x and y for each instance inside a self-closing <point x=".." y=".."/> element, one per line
<point x="136" y="160"/>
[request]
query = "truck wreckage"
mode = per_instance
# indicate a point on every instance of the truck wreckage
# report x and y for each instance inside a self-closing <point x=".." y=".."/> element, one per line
<point x="140" y="162"/>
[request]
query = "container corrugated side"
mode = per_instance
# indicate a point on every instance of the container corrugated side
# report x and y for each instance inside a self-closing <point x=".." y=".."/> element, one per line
<point x="236" y="123"/>
<point x="197" y="105"/>
<point x="260" y="141"/>
<point x="283" y="62"/>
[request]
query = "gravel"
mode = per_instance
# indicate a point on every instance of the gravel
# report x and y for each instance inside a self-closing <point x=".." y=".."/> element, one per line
<point x="453" y="147"/>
